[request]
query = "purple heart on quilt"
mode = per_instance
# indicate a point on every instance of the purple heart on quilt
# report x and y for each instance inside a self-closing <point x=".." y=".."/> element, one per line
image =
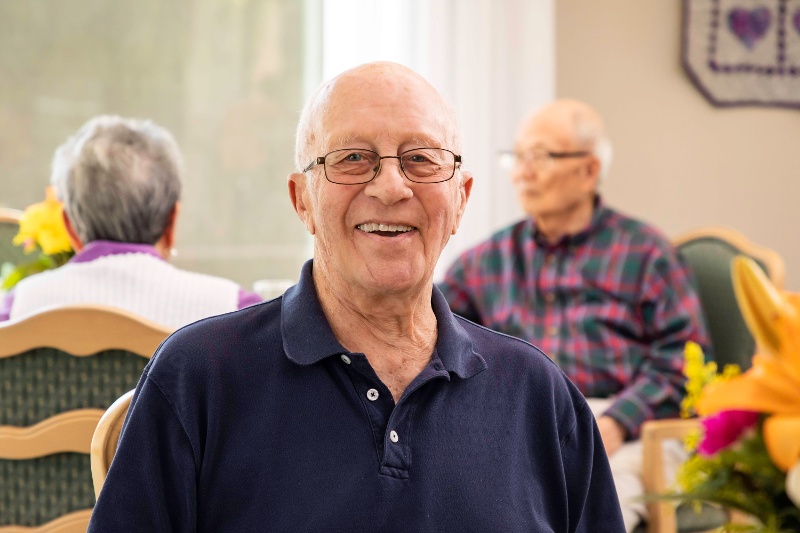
<point x="796" y="20"/>
<point x="749" y="25"/>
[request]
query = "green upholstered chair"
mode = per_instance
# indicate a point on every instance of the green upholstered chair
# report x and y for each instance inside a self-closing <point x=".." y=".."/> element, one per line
<point x="9" y="225"/>
<point x="60" y="369"/>
<point x="708" y="252"/>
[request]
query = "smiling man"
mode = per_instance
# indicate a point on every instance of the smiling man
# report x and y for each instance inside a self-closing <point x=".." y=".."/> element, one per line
<point x="603" y="294"/>
<point x="357" y="401"/>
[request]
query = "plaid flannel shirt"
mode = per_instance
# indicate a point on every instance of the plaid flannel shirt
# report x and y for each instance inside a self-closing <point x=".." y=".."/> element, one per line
<point x="612" y="305"/>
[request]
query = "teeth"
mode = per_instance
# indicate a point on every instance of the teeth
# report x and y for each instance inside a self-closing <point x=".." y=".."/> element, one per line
<point x="369" y="228"/>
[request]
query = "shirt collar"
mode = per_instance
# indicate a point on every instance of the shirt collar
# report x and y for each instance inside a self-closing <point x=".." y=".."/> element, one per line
<point x="97" y="249"/>
<point x="308" y="338"/>
<point x="599" y="213"/>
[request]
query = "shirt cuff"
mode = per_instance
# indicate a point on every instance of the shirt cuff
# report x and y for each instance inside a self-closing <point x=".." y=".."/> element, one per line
<point x="631" y="412"/>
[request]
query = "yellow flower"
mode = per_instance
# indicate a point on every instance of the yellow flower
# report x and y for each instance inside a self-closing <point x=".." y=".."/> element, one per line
<point x="772" y="385"/>
<point x="699" y="374"/>
<point x="42" y="225"/>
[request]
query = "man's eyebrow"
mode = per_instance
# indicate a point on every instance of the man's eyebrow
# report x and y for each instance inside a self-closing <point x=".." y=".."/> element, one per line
<point x="345" y="140"/>
<point x="424" y="142"/>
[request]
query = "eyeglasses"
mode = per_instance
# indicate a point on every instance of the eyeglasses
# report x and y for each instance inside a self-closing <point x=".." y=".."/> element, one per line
<point x="538" y="157"/>
<point x="354" y="166"/>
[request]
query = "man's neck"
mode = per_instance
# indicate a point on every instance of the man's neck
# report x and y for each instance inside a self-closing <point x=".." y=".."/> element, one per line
<point x="397" y="333"/>
<point x="556" y="226"/>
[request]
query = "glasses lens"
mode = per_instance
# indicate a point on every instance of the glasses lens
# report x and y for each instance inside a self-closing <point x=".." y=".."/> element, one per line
<point x="428" y="165"/>
<point x="350" y="166"/>
<point x="535" y="157"/>
<point x="507" y="160"/>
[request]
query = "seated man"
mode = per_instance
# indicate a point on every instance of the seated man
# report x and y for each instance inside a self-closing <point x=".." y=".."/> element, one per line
<point x="602" y="294"/>
<point x="357" y="401"/>
<point x="120" y="182"/>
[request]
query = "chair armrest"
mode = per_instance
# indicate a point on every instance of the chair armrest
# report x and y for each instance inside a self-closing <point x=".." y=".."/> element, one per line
<point x="654" y="433"/>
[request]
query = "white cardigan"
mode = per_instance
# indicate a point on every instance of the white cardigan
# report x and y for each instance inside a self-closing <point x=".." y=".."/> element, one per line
<point x="137" y="282"/>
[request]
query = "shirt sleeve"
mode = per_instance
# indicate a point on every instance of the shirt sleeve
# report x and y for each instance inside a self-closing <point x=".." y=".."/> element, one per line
<point x="246" y="298"/>
<point x="591" y="491"/>
<point x="6" y="301"/>
<point x="151" y="485"/>
<point x="456" y="291"/>
<point x="671" y="314"/>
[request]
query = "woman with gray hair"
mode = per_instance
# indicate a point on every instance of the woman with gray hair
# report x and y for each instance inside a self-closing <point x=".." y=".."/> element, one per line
<point x="120" y="182"/>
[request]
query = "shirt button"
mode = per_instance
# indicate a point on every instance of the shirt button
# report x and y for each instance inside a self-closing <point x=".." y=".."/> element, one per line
<point x="550" y="298"/>
<point x="552" y="331"/>
<point x="393" y="436"/>
<point x="345" y="359"/>
<point x="372" y="395"/>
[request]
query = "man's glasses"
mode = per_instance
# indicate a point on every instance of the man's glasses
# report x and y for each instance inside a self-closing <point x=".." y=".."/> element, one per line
<point x="536" y="157"/>
<point x="353" y="166"/>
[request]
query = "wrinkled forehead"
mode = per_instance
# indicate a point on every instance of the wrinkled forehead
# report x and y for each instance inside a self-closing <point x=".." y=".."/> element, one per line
<point x="550" y="131"/>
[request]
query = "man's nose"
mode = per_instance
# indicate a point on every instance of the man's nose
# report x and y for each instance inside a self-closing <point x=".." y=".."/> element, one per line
<point x="390" y="184"/>
<point x="524" y="170"/>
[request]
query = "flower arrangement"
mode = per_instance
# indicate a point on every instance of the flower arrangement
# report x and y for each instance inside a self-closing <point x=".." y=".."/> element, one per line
<point x="747" y="455"/>
<point x="41" y="230"/>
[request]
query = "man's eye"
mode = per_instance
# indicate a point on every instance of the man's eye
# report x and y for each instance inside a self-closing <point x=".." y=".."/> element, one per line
<point x="355" y="156"/>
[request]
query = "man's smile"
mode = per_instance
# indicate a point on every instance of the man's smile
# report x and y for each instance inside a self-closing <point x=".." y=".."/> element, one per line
<point x="385" y="230"/>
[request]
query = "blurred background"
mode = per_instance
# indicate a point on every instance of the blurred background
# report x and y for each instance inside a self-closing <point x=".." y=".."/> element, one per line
<point x="229" y="78"/>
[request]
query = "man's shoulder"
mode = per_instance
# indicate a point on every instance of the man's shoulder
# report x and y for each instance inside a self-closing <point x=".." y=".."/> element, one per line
<point x="517" y="365"/>
<point x="635" y="229"/>
<point x="502" y="351"/>
<point x="502" y="242"/>
<point x="217" y="343"/>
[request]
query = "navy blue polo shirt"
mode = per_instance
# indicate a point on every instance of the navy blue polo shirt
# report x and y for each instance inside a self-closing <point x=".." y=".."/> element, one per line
<point x="259" y="420"/>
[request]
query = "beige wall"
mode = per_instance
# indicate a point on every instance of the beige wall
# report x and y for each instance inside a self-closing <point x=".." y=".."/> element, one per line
<point x="679" y="162"/>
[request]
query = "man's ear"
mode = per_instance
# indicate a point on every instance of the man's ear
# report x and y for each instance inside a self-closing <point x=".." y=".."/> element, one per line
<point x="464" y="190"/>
<point x="593" y="168"/>
<point x="299" y="194"/>
<point x="169" y="230"/>
<point x="74" y="240"/>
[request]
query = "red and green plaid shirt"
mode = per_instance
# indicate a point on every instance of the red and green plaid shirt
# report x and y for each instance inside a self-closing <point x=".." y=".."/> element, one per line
<point x="612" y="305"/>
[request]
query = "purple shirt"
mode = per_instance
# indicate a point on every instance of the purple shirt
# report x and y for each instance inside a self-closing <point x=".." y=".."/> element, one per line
<point x="97" y="249"/>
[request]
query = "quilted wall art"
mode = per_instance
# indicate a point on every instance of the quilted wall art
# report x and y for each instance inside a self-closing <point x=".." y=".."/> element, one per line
<point x="743" y="52"/>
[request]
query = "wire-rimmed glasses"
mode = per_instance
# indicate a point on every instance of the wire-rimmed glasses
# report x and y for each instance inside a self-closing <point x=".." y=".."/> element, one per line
<point x="537" y="157"/>
<point x="354" y="166"/>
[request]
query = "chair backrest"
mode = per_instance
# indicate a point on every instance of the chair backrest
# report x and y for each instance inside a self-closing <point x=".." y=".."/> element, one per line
<point x="9" y="226"/>
<point x="105" y="439"/>
<point x="708" y="253"/>
<point x="60" y="369"/>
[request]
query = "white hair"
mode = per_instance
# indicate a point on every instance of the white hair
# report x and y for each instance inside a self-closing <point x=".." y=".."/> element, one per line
<point x="589" y="132"/>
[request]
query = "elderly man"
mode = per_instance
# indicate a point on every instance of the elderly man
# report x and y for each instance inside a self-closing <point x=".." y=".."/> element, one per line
<point x="120" y="182"/>
<point x="602" y="294"/>
<point x="358" y="401"/>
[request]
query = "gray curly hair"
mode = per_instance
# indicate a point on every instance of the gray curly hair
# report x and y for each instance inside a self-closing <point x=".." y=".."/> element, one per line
<point x="119" y="179"/>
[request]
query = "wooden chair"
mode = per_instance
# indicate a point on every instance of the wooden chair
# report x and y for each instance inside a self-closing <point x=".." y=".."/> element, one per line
<point x="708" y="252"/>
<point x="9" y="226"/>
<point x="59" y="370"/>
<point x="105" y="439"/>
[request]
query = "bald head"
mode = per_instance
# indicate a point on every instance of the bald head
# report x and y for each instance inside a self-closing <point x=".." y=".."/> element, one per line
<point x="362" y="86"/>
<point x="576" y="124"/>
